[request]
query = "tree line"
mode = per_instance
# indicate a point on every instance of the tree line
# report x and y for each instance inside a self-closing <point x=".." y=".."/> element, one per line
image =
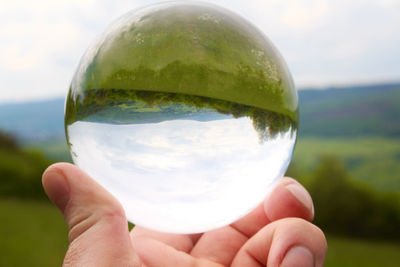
<point x="342" y="206"/>
<point x="346" y="207"/>
<point x="20" y="170"/>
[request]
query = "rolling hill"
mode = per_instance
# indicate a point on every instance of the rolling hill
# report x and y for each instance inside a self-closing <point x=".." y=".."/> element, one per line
<point x="34" y="121"/>
<point x="351" y="111"/>
<point x="356" y="111"/>
<point x="360" y="125"/>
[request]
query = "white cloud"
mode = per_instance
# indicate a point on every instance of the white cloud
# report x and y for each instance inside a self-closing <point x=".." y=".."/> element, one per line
<point x="300" y="17"/>
<point x="328" y="42"/>
<point x="323" y="41"/>
<point x="42" y="41"/>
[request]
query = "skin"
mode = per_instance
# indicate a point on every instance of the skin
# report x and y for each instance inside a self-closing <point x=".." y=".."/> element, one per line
<point x="278" y="232"/>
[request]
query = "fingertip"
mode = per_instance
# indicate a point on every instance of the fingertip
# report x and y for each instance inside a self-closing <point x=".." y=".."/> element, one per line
<point x="298" y="256"/>
<point x="288" y="180"/>
<point x="303" y="234"/>
<point x="60" y="167"/>
<point x="289" y="199"/>
<point x="56" y="186"/>
<point x="272" y="245"/>
<point x="301" y="194"/>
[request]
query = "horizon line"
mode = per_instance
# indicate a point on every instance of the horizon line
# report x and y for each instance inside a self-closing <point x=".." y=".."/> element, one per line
<point x="311" y="87"/>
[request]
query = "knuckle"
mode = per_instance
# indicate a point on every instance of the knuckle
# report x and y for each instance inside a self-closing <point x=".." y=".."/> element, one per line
<point x="79" y="225"/>
<point x="82" y="221"/>
<point x="73" y="255"/>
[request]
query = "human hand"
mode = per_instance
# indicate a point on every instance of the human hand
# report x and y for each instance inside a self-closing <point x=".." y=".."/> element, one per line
<point x="277" y="233"/>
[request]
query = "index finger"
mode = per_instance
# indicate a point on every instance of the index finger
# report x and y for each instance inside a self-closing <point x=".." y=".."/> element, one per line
<point x="288" y="199"/>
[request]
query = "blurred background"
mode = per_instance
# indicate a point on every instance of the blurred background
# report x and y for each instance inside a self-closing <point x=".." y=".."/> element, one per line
<point x="345" y="61"/>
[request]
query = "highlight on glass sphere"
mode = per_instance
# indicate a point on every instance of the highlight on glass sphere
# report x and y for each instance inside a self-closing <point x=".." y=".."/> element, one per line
<point x="186" y="113"/>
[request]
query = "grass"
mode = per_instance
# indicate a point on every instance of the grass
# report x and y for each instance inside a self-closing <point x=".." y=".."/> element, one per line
<point x="33" y="234"/>
<point x="349" y="252"/>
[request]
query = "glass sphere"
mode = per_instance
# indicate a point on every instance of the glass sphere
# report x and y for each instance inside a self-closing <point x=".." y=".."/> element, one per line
<point x="186" y="113"/>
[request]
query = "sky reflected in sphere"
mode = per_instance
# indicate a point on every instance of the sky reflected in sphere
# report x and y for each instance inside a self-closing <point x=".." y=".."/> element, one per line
<point x="186" y="113"/>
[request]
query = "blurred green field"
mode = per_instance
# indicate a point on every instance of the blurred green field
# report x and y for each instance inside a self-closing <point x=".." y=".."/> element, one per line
<point x="371" y="160"/>
<point x="33" y="234"/>
<point x="350" y="252"/>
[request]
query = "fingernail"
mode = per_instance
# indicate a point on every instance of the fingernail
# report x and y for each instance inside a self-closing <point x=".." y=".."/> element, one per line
<point x="298" y="256"/>
<point x="302" y="195"/>
<point x="57" y="189"/>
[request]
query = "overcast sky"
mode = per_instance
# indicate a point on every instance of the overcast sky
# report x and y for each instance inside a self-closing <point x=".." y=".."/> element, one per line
<point x="324" y="42"/>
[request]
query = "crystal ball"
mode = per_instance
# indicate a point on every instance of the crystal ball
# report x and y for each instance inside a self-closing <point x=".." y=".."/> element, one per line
<point x="186" y="113"/>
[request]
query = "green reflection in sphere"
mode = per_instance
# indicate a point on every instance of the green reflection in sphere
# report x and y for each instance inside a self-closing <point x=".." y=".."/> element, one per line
<point x="181" y="65"/>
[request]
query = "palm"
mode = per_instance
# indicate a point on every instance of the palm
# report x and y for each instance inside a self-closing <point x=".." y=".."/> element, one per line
<point x="277" y="232"/>
<point x="215" y="248"/>
<point x="222" y="247"/>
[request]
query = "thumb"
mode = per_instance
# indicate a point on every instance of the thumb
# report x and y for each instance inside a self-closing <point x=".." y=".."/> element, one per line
<point x="98" y="230"/>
